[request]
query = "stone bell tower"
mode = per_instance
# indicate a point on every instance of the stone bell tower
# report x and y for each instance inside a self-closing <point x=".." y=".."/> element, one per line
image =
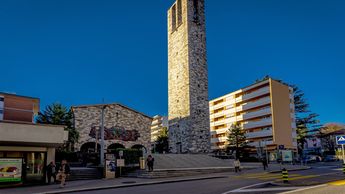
<point x="189" y="123"/>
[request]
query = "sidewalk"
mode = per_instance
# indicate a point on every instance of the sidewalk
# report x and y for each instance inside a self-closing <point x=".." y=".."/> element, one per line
<point x="275" y="168"/>
<point x="98" y="184"/>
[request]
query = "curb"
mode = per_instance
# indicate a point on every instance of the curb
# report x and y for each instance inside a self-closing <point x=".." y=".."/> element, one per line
<point x="129" y="185"/>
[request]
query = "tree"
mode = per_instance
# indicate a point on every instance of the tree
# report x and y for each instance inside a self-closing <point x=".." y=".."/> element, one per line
<point x="57" y="114"/>
<point x="162" y="143"/>
<point x="307" y="122"/>
<point x="236" y="138"/>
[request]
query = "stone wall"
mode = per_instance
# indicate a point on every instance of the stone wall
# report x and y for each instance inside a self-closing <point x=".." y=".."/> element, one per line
<point x="122" y="125"/>
<point x="189" y="127"/>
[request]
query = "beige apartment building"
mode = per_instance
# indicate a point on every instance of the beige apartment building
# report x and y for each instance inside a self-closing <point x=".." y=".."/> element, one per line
<point x="265" y="110"/>
<point x="158" y="123"/>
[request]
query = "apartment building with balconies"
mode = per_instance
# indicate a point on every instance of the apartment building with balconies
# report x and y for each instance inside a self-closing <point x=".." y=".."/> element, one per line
<point x="265" y="110"/>
<point x="158" y="124"/>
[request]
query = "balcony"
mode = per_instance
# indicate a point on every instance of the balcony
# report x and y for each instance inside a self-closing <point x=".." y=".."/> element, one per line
<point x="263" y="133"/>
<point x="257" y="124"/>
<point x="221" y="122"/>
<point x="218" y="114"/>
<point x="259" y="113"/>
<point x="219" y="131"/>
<point x="261" y="102"/>
<point x="218" y="139"/>
<point x="260" y="143"/>
<point x="259" y="92"/>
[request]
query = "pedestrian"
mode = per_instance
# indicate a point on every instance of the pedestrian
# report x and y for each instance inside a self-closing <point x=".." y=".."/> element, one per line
<point x="63" y="173"/>
<point x="150" y="160"/>
<point x="237" y="165"/>
<point x="51" y="172"/>
<point x="264" y="163"/>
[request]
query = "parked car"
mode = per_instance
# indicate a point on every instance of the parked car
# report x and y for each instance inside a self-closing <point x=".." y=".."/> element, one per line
<point x="313" y="158"/>
<point x="330" y="158"/>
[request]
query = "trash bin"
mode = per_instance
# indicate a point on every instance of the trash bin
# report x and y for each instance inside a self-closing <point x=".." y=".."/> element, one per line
<point x="142" y="163"/>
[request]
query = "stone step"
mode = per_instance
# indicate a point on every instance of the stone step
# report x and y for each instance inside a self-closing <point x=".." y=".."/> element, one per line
<point x="176" y="172"/>
<point x="84" y="174"/>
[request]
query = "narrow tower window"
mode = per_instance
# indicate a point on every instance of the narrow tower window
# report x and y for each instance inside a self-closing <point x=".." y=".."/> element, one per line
<point x="179" y="12"/>
<point x="196" y="10"/>
<point x="173" y="18"/>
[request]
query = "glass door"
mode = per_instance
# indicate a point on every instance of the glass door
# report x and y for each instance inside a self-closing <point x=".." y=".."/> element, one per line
<point x="35" y="162"/>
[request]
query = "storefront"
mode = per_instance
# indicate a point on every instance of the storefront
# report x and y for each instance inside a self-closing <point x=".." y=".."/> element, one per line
<point x="25" y="150"/>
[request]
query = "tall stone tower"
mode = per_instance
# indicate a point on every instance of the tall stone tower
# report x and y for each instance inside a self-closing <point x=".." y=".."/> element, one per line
<point x="189" y="123"/>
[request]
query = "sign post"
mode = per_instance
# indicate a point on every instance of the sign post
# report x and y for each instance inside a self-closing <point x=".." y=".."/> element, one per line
<point x="340" y="139"/>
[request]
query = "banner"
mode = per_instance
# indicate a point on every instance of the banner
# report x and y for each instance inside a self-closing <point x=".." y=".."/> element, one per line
<point x="10" y="170"/>
<point x="286" y="155"/>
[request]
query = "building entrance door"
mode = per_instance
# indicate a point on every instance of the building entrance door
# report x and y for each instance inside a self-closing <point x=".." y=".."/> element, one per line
<point x="35" y="162"/>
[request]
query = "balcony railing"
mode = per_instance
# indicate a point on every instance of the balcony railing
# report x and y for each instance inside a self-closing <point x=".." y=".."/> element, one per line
<point x="258" y="103"/>
<point x="260" y="143"/>
<point x="263" y="133"/>
<point x="219" y="131"/>
<point x="218" y="139"/>
<point x="263" y="122"/>
<point x="256" y="93"/>
<point x="254" y="114"/>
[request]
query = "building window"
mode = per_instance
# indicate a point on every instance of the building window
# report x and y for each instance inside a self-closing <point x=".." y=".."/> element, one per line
<point x="196" y="10"/>
<point x="1" y="99"/>
<point x="173" y="18"/>
<point x="179" y="12"/>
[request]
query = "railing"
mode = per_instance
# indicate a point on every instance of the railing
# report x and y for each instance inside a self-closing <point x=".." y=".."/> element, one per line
<point x="261" y="123"/>
<point x="260" y="102"/>
<point x="258" y="113"/>
<point x="219" y="131"/>
<point x="257" y="93"/>
<point x="260" y="144"/>
<point x="218" y="139"/>
<point x="263" y="133"/>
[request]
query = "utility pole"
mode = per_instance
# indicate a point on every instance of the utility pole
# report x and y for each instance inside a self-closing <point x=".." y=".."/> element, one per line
<point x="102" y="136"/>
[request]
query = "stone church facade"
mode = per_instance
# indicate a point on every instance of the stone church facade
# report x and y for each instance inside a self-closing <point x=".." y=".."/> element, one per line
<point x="123" y="127"/>
<point x="189" y="123"/>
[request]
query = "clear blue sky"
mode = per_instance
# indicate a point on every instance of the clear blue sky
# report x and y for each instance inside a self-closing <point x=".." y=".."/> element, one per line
<point x="78" y="52"/>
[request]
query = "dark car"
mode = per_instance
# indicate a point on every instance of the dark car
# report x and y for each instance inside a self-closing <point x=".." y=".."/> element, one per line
<point x="331" y="158"/>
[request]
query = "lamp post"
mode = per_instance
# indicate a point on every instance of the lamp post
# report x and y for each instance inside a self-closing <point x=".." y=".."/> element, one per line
<point x="102" y="137"/>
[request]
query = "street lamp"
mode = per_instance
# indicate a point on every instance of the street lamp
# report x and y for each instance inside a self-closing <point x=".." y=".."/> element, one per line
<point x="102" y="136"/>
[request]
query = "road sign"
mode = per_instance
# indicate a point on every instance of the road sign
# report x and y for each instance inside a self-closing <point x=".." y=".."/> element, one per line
<point x="120" y="153"/>
<point x="281" y="147"/>
<point x="340" y="139"/>
<point x="120" y="162"/>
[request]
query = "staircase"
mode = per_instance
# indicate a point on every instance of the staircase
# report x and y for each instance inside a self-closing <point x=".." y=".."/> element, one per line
<point x="176" y="165"/>
<point x="173" y="161"/>
<point x="79" y="173"/>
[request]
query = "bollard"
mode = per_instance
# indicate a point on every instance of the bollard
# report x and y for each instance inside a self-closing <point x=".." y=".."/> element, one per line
<point x="285" y="175"/>
<point x="344" y="168"/>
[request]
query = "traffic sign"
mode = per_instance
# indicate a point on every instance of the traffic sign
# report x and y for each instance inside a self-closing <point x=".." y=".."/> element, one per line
<point x="340" y="139"/>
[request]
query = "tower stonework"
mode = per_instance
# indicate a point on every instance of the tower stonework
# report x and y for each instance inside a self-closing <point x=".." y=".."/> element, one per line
<point x="189" y="123"/>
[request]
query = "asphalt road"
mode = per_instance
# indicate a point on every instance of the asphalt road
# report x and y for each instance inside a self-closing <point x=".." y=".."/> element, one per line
<point x="241" y="183"/>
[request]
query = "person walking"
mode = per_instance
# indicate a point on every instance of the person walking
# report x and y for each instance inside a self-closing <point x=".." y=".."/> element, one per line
<point x="64" y="171"/>
<point x="51" y="172"/>
<point x="237" y="165"/>
<point x="150" y="160"/>
<point x="264" y="163"/>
